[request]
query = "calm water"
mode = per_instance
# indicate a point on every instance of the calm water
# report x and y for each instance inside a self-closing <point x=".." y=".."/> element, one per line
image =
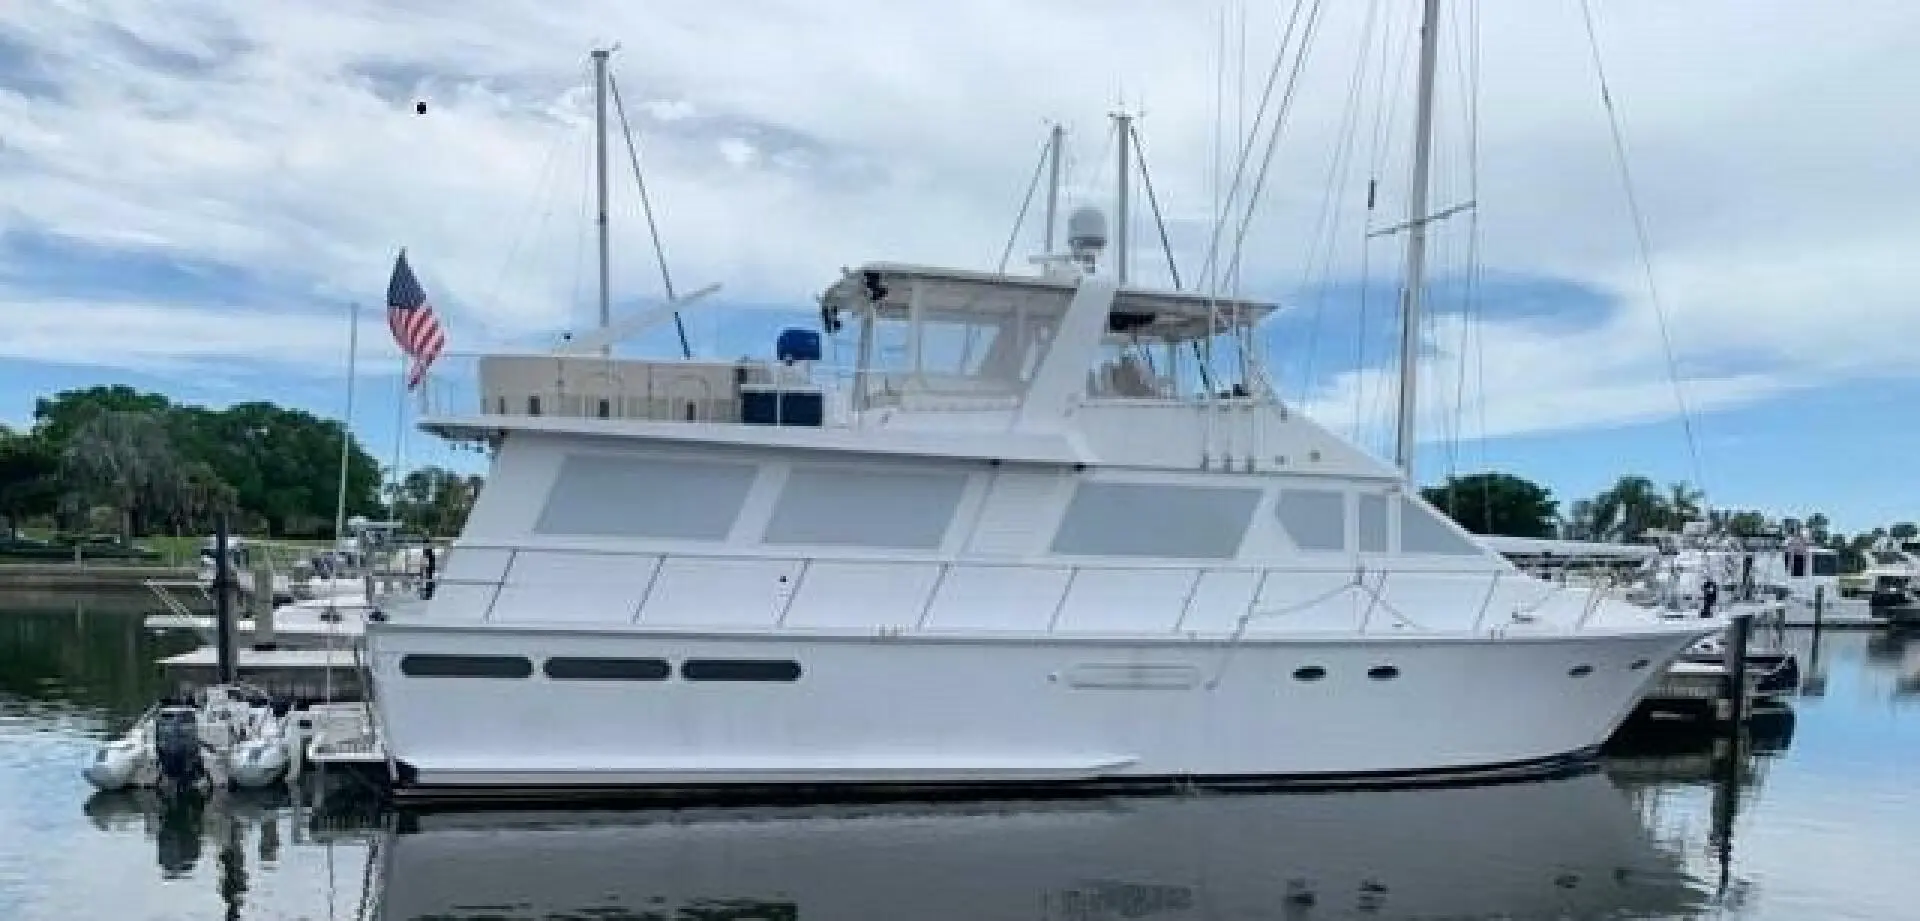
<point x="1821" y="820"/>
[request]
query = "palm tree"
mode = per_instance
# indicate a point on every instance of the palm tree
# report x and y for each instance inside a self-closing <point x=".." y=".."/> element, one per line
<point x="1683" y="504"/>
<point x="1625" y="511"/>
<point x="1579" y="521"/>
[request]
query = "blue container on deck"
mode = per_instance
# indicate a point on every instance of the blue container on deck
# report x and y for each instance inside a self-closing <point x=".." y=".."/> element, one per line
<point x="797" y="345"/>
<point x="761" y="404"/>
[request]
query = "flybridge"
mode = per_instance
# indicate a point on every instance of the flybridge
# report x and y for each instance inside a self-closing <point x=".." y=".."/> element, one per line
<point x="1098" y="372"/>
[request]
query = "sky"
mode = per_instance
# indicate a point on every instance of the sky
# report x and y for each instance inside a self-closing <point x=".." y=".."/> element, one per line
<point x="194" y="194"/>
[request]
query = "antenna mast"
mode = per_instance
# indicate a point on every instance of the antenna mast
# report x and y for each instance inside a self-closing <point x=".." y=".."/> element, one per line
<point x="1417" y="219"/>
<point x="1123" y="133"/>
<point x="600" y="56"/>
<point x="1056" y="138"/>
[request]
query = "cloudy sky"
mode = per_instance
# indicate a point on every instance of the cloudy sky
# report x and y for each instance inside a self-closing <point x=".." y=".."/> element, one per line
<point x="192" y="193"/>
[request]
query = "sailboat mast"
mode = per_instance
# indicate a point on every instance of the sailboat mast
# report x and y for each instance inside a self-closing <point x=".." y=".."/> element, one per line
<point x="1416" y="243"/>
<point x="600" y="180"/>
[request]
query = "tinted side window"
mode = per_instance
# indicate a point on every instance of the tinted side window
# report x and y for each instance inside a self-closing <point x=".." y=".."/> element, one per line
<point x="740" y="670"/>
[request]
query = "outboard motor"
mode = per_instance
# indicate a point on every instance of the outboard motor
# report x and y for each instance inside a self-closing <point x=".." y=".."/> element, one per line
<point x="176" y="745"/>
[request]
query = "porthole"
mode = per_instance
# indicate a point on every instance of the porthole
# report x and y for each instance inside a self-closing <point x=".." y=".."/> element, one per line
<point x="1580" y="671"/>
<point x="1309" y="673"/>
<point x="1383" y="673"/>
<point x="1639" y="664"/>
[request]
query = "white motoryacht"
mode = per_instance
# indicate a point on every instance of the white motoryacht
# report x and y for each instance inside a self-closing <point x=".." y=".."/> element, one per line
<point x="1037" y="534"/>
<point x="1892" y="575"/>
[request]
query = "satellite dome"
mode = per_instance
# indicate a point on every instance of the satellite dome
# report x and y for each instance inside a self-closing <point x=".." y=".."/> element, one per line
<point x="1087" y="227"/>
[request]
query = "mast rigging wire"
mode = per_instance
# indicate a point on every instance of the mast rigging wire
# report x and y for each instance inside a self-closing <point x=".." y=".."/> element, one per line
<point x="646" y="207"/>
<point x="1646" y="247"/>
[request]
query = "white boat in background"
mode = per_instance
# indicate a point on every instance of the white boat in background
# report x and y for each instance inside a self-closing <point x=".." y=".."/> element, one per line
<point x="1892" y="576"/>
<point x="1791" y="570"/>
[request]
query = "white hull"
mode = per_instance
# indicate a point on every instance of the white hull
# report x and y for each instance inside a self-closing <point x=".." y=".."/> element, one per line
<point x="929" y="710"/>
<point x="1569" y="847"/>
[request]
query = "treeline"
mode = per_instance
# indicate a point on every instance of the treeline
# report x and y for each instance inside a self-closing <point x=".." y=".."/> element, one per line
<point x="138" y="464"/>
<point x="1501" y="503"/>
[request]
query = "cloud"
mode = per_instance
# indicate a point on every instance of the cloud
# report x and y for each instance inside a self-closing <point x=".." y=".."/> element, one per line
<point x="274" y="150"/>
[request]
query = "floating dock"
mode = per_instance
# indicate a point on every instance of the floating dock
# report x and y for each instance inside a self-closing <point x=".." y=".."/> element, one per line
<point x="303" y="635"/>
<point x="1847" y="613"/>
<point x="302" y="674"/>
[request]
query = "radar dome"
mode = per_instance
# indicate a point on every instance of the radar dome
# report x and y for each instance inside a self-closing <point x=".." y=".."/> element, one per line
<point x="1087" y="227"/>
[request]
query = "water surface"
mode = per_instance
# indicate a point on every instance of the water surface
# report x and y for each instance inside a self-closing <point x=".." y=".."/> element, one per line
<point x="1817" y="818"/>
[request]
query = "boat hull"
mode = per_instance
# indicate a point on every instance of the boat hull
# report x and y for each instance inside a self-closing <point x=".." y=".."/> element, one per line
<point x="928" y="712"/>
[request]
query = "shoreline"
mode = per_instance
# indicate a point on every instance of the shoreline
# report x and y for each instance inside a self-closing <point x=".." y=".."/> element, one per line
<point x="84" y="577"/>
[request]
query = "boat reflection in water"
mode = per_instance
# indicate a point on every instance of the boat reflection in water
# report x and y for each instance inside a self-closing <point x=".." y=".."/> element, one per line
<point x="1571" y="846"/>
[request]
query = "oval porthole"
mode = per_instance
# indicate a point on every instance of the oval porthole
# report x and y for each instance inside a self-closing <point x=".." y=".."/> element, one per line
<point x="1309" y="673"/>
<point x="1383" y="673"/>
<point x="1580" y="671"/>
<point x="1639" y="664"/>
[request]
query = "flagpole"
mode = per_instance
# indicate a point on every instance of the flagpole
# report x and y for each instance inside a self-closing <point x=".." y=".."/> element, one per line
<point x="399" y="435"/>
<point x="346" y="422"/>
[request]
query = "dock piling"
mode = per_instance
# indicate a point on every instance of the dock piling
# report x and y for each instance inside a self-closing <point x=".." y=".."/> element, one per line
<point x="223" y="591"/>
<point x="263" y="635"/>
<point x="1819" y="604"/>
<point x="1733" y="702"/>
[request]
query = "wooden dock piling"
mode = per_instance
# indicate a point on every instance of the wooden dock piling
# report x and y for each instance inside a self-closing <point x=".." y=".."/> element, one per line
<point x="1732" y="706"/>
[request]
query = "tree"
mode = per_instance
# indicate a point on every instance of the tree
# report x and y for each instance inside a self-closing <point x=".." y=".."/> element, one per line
<point x="283" y="464"/>
<point x="1496" y="503"/>
<point x="1682" y="505"/>
<point x="434" y="500"/>
<point x="268" y="464"/>
<point x="123" y="459"/>
<point x="29" y="483"/>
<point x="1819" y="525"/>
<point x="1905" y="530"/>
<point x="1626" y="510"/>
<point x="1747" y="523"/>
<point x="1579" y="522"/>
<point x="56" y="418"/>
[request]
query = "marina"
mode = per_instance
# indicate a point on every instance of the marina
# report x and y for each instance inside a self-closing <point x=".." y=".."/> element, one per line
<point x="1199" y="558"/>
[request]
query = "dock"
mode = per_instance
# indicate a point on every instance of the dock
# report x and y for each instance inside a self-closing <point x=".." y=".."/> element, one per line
<point x="1843" y="614"/>
<point x="303" y="674"/>
<point x="304" y="635"/>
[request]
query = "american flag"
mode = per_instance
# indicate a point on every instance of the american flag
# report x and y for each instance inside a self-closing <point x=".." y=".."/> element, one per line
<point x="415" y="329"/>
